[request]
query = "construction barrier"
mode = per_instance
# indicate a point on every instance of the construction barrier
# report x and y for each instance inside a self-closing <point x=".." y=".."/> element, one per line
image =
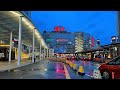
<point x="81" y="70"/>
<point x="74" y="67"/>
<point x="96" y="74"/>
<point x="67" y="62"/>
<point x="71" y="64"/>
<point x="63" y="60"/>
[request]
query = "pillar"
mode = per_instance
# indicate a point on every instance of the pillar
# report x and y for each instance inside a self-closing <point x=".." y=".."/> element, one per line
<point x="10" y="48"/>
<point x="29" y="51"/>
<point x="40" y="52"/>
<point x="33" y="46"/>
<point x="19" y="40"/>
<point x="44" y="52"/>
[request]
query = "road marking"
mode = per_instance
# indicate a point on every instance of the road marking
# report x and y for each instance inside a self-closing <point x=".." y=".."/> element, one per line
<point x="89" y="75"/>
<point x="66" y="72"/>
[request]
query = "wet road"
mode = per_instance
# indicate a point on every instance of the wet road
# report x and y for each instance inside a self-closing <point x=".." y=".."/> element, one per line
<point x="41" y="70"/>
<point x="88" y="67"/>
<point x="50" y="70"/>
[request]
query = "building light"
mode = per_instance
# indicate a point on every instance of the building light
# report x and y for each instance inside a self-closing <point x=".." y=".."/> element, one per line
<point x="4" y="45"/>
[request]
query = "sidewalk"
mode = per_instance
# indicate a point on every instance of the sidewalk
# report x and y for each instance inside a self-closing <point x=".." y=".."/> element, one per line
<point x="6" y="65"/>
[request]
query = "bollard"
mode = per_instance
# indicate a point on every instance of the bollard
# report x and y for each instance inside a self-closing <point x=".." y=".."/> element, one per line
<point x="81" y="70"/>
<point x="74" y="67"/>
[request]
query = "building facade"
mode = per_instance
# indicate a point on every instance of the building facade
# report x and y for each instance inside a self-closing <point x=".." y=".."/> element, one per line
<point x="118" y="24"/>
<point x="84" y="41"/>
<point x="79" y="41"/>
<point x="68" y="42"/>
<point x="59" y="39"/>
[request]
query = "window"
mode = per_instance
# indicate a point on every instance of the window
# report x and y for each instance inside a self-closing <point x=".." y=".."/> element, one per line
<point x="115" y="62"/>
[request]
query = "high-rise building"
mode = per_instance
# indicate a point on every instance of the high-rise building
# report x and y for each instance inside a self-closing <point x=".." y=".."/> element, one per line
<point x="114" y="39"/>
<point x="62" y="41"/>
<point x="79" y="41"/>
<point x="67" y="42"/>
<point x="84" y="41"/>
<point x="118" y="25"/>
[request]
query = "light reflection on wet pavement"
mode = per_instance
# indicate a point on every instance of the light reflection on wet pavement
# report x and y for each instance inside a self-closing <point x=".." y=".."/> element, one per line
<point x="50" y="70"/>
<point x="88" y="66"/>
<point x="43" y="70"/>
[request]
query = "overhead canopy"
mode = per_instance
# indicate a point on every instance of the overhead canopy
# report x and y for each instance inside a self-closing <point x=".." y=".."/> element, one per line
<point x="9" y="21"/>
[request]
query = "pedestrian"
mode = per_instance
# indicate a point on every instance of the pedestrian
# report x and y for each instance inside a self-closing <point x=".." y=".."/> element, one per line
<point x="101" y="57"/>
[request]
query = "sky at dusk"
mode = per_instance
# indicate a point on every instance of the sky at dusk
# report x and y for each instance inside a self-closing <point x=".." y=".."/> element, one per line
<point x="100" y="24"/>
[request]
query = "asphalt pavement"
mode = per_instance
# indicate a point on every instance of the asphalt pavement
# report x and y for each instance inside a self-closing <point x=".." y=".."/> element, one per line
<point x="40" y="70"/>
<point x="48" y="69"/>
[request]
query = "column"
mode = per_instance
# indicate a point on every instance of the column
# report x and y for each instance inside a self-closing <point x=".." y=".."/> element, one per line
<point x="33" y="47"/>
<point x="44" y="52"/>
<point x="10" y="48"/>
<point x="47" y="52"/>
<point x="29" y="52"/>
<point x="19" y="40"/>
<point x="40" y="52"/>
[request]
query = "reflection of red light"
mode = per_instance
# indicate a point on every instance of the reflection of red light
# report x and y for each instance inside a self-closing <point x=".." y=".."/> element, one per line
<point x="57" y="70"/>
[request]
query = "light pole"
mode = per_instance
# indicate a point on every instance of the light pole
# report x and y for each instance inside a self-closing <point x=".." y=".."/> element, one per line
<point x="10" y="48"/>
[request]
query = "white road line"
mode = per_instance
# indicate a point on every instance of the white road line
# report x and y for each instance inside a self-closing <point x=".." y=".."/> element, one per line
<point x="66" y="72"/>
<point x="89" y="75"/>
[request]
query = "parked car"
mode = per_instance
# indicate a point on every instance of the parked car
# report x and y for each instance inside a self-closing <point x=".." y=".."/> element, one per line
<point x="111" y="69"/>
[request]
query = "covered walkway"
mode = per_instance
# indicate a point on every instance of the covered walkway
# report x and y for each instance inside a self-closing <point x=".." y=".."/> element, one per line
<point x="19" y="37"/>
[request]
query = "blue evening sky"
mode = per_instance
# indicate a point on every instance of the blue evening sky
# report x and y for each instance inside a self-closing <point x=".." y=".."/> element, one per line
<point x="100" y="24"/>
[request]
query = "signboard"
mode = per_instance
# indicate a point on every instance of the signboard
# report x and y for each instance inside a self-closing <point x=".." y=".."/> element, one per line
<point x="59" y="28"/>
<point x="62" y="40"/>
<point x="92" y="42"/>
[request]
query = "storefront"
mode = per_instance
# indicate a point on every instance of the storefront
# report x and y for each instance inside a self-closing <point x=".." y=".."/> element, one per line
<point x="4" y="53"/>
<point x="114" y="50"/>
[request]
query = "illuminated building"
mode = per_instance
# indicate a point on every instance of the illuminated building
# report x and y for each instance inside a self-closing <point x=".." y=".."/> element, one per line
<point x="114" y="39"/>
<point x="79" y="41"/>
<point x="67" y="42"/>
<point x="60" y="40"/>
<point x="84" y="41"/>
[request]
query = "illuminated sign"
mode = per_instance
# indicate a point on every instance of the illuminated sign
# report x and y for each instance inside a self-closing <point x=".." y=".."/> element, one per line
<point x="61" y="40"/>
<point x="92" y="42"/>
<point x="62" y="29"/>
<point x="59" y="28"/>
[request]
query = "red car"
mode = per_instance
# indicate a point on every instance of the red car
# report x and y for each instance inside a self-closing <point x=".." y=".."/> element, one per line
<point x="111" y="69"/>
